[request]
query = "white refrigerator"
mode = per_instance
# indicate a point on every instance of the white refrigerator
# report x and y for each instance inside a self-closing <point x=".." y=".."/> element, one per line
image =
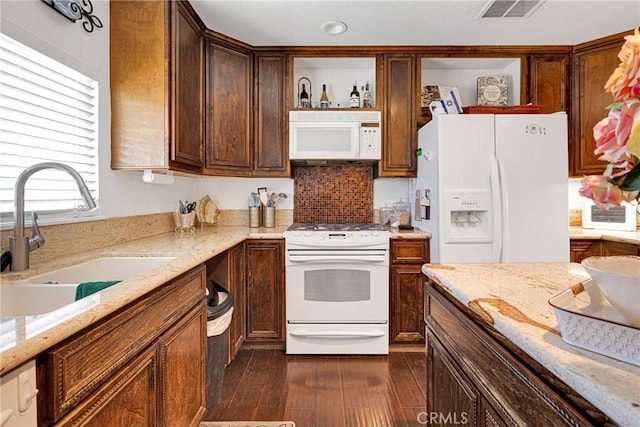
<point x="494" y="188"/>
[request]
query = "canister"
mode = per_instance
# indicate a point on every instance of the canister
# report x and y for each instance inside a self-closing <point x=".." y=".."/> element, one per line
<point x="268" y="217"/>
<point x="254" y="216"/>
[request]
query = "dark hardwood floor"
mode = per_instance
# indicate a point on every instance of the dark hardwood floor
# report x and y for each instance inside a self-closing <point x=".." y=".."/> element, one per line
<point x="324" y="391"/>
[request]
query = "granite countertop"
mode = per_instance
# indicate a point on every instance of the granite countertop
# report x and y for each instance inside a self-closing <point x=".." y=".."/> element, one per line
<point x="632" y="237"/>
<point x="188" y="252"/>
<point x="513" y="300"/>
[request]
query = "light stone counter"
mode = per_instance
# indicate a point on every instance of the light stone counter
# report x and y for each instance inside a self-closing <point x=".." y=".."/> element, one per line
<point x="632" y="237"/>
<point x="394" y="233"/>
<point x="513" y="300"/>
<point x="189" y="252"/>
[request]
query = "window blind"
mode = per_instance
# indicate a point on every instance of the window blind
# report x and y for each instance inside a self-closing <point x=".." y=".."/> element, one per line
<point x="48" y="112"/>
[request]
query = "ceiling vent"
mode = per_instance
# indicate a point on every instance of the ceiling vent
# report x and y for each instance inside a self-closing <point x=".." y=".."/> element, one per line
<point x="510" y="8"/>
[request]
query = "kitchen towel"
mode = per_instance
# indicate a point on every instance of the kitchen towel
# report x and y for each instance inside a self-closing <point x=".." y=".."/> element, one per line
<point x="88" y="288"/>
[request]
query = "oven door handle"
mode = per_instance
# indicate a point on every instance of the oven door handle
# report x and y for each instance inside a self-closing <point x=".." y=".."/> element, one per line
<point x="334" y="258"/>
<point x="337" y="334"/>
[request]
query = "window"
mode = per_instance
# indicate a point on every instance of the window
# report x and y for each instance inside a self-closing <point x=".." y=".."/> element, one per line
<point x="48" y="112"/>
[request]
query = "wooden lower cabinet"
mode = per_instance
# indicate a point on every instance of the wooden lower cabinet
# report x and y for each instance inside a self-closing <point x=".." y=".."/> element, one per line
<point x="450" y="394"/>
<point x="264" y="260"/>
<point x="228" y="269"/>
<point x="144" y="365"/>
<point x="237" y="286"/>
<point x="475" y="374"/>
<point x="182" y="365"/>
<point x="619" y="248"/>
<point x="406" y="283"/>
<point x="583" y="248"/>
<point x="130" y="398"/>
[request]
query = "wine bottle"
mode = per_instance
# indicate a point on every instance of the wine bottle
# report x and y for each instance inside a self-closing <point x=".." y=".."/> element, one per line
<point x="324" y="99"/>
<point x="354" y="98"/>
<point x="366" y="97"/>
<point x="304" y="98"/>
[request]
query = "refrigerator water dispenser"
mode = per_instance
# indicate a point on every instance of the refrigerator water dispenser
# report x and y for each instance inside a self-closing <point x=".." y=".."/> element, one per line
<point x="467" y="217"/>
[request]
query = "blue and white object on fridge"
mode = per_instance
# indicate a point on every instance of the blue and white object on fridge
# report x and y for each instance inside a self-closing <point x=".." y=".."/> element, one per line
<point x="493" y="188"/>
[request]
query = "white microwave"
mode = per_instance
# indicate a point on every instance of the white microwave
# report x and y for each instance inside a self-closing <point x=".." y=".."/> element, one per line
<point x="621" y="218"/>
<point x="335" y="135"/>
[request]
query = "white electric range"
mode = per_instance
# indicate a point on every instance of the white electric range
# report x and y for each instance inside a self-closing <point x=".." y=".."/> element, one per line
<point x="337" y="289"/>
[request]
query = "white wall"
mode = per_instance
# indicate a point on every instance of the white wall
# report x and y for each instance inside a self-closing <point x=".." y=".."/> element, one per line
<point x="122" y="193"/>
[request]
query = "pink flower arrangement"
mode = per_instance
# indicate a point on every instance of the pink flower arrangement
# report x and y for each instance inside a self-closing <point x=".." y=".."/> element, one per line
<point x="618" y="135"/>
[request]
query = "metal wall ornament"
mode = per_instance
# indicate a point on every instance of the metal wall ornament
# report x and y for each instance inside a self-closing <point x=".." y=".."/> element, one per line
<point x="75" y="10"/>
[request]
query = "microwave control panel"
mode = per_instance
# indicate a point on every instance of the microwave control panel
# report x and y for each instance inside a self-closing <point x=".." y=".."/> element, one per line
<point x="370" y="141"/>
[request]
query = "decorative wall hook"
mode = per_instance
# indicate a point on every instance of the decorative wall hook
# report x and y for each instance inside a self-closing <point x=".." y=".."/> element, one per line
<point x="77" y="9"/>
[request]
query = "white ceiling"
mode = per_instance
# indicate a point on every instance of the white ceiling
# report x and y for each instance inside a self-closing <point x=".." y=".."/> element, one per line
<point x="416" y="22"/>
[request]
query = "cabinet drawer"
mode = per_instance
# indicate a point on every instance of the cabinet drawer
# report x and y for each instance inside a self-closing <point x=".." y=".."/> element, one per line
<point x="84" y="362"/>
<point x="511" y="389"/>
<point x="409" y="251"/>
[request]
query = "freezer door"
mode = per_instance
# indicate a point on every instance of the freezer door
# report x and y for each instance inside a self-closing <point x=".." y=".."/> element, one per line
<point x="456" y="152"/>
<point x="532" y="151"/>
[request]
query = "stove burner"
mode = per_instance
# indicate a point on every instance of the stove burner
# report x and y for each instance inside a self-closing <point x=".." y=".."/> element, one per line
<point x="336" y="227"/>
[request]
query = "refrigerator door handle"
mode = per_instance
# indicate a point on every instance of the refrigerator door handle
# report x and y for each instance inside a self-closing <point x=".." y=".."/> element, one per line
<point x="496" y="197"/>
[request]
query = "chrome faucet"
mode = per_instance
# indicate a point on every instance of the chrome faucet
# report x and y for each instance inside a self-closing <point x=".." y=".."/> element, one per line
<point x="20" y="244"/>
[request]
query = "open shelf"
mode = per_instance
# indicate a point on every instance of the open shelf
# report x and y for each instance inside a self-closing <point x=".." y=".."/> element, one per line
<point x="339" y="74"/>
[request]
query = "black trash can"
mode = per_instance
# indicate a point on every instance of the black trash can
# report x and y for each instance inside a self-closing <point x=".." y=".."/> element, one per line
<point x="219" y="312"/>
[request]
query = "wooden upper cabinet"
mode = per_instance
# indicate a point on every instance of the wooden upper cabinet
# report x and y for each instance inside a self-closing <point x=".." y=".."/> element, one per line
<point x="271" y="143"/>
<point x="228" y="141"/>
<point x="188" y="107"/>
<point x="549" y="82"/>
<point x="156" y="86"/>
<point x="593" y="64"/>
<point x="399" y="141"/>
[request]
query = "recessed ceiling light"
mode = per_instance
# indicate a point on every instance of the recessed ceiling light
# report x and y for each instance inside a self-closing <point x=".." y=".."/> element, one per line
<point x="334" y="27"/>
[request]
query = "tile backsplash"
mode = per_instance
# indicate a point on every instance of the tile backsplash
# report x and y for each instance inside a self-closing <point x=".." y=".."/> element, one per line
<point x="333" y="194"/>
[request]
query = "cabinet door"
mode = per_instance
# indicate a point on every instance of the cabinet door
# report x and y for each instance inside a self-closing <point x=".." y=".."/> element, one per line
<point x="619" y="248"/>
<point x="237" y="287"/>
<point x="581" y="249"/>
<point x="593" y="64"/>
<point x="128" y="399"/>
<point x="265" y="289"/>
<point x="138" y="41"/>
<point x="549" y="83"/>
<point x="187" y="106"/>
<point x="271" y="143"/>
<point x="182" y="362"/>
<point x="399" y="141"/>
<point x="412" y="251"/>
<point x="228" y="117"/>
<point x="449" y="393"/>
<point x="406" y="305"/>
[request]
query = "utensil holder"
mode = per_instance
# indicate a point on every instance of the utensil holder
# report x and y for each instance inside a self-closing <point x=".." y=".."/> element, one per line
<point x="269" y="217"/>
<point x="184" y="222"/>
<point x="254" y="216"/>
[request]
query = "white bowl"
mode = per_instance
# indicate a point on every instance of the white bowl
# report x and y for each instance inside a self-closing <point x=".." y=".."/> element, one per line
<point x="618" y="277"/>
